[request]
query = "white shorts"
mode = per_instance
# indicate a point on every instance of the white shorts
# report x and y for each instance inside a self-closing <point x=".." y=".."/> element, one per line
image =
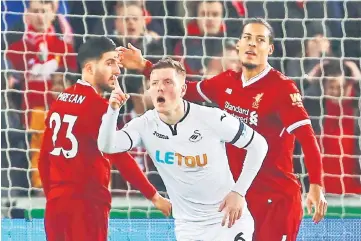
<point x="242" y="230"/>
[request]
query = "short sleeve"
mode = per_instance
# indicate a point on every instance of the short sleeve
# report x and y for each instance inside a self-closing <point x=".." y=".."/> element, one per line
<point x="291" y="110"/>
<point x="209" y="89"/>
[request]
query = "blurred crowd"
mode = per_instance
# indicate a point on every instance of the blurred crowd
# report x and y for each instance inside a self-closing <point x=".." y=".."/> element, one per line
<point x="318" y="45"/>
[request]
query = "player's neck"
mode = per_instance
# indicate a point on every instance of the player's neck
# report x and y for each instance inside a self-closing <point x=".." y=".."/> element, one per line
<point x="174" y="116"/>
<point x="90" y="80"/>
<point x="250" y="73"/>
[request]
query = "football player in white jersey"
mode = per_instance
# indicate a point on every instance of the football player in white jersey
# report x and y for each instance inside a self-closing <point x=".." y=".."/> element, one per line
<point x="186" y="142"/>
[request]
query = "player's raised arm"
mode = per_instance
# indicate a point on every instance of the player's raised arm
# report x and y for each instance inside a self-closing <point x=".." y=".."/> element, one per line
<point x="110" y="140"/>
<point x="197" y="91"/>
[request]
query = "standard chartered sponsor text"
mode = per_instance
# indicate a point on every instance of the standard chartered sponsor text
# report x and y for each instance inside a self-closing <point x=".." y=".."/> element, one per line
<point x="237" y="109"/>
<point x="251" y="117"/>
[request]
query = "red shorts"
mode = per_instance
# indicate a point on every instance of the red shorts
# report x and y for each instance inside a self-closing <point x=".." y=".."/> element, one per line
<point x="277" y="217"/>
<point x="76" y="219"/>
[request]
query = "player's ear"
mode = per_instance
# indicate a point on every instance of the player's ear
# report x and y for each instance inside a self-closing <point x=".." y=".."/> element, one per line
<point x="271" y="49"/>
<point x="184" y="90"/>
<point x="89" y="68"/>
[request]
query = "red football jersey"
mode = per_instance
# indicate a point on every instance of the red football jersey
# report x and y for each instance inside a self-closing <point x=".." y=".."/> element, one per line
<point x="70" y="162"/>
<point x="271" y="104"/>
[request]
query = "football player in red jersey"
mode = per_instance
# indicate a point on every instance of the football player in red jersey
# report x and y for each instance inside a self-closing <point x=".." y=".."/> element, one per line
<point x="74" y="173"/>
<point x="270" y="103"/>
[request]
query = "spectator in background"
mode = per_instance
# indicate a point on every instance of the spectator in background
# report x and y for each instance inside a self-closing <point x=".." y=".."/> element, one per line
<point x="13" y="143"/>
<point x="131" y="26"/>
<point x="306" y="63"/>
<point x="233" y="14"/>
<point x="199" y="41"/>
<point x="12" y="11"/>
<point x="59" y="82"/>
<point x="106" y="26"/>
<point x="351" y="40"/>
<point x="33" y="13"/>
<point x="338" y="127"/>
<point x="39" y="54"/>
<point x="227" y="60"/>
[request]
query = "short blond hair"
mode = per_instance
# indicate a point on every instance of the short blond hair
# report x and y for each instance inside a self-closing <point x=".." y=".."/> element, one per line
<point x="170" y="63"/>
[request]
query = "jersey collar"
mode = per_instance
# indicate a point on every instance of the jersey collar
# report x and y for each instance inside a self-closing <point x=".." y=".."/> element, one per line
<point x="83" y="82"/>
<point x="257" y="77"/>
<point x="173" y="128"/>
<point x="187" y="107"/>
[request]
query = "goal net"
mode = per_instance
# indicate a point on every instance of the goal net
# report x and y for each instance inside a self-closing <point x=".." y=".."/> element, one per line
<point x="317" y="44"/>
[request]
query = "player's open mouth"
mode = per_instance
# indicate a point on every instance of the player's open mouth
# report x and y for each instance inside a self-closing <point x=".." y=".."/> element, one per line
<point x="131" y="31"/>
<point x="251" y="53"/>
<point x="160" y="99"/>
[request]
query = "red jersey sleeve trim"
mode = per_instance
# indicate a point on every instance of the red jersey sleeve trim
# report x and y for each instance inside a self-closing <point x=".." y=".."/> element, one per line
<point x="298" y="124"/>
<point x="199" y="90"/>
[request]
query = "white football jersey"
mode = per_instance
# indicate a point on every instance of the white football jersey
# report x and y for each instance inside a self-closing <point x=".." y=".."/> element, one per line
<point x="190" y="157"/>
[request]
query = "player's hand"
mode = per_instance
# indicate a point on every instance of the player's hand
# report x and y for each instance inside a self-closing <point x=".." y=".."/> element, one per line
<point x="316" y="70"/>
<point x="117" y="97"/>
<point x="162" y="204"/>
<point x="131" y="58"/>
<point x="232" y="205"/>
<point x="316" y="199"/>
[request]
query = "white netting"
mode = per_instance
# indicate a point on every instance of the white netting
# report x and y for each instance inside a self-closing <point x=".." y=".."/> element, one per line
<point x="331" y="30"/>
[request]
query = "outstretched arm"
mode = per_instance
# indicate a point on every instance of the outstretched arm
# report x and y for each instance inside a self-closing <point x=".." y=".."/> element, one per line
<point x="130" y="171"/>
<point x="197" y="91"/>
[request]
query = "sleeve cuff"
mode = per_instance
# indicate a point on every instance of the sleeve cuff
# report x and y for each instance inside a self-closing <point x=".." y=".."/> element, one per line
<point x="316" y="180"/>
<point x="239" y="190"/>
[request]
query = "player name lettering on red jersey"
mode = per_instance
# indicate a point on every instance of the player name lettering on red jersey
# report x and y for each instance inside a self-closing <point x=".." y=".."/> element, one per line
<point x="71" y="98"/>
